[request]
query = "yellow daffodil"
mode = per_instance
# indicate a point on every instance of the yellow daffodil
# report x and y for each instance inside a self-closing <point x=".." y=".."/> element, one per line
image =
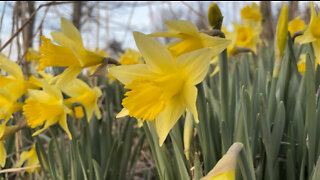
<point x="80" y="92"/>
<point x="12" y="87"/>
<point x="191" y="38"/>
<point x="312" y="32"/>
<point x="225" y="168"/>
<point x="246" y="35"/>
<point x="69" y="53"/>
<point x="251" y="13"/>
<point x="31" y="158"/>
<point x="130" y="57"/>
<point x="46" y="106"/>
<point x="296" y="25"/>
<point x="163" y="88"/>
<point x="302" y="64"/>
<point x="33" y="56"/>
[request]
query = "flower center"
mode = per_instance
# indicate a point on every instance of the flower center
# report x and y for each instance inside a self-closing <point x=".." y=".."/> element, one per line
<point x="243" y="37"/>
<point x="147" y="98"/>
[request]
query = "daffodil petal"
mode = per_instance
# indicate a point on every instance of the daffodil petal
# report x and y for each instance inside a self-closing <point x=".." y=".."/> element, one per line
<point x="215" y="71"/>
<point x="10" y="67"/>
<point x="52" y="90"/>
<point x="217" y="44"/>
<point x="155" y="54"/>
<point x="125" y="74"/>
<point x="64" y="125"/>
<point x="5" y="94"/>
<point x="68" y="75"/>
<point x="190" y="95"/>
<point x="165" y="34"/>
<point x="75" y="88"/>
<point x="168" y="118"/>
<point x="23" y="157"/>
<point x="124" y="112"/>
<point x="195" y="64"/>
<point x="62" y="39"/>
<point x="71" y="31"/>
<point x="41" y="96"/>
<point x="227" y="163"/>
<point x="182" y="26"/>
<point x="48" y="123"/>
<point x="306" y="37"/>
<point x="3" y="154"/>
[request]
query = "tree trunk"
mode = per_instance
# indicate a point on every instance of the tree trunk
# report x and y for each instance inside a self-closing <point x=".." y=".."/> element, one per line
<point x="267" y="21"/>
<point x="77" y="13"/>
<point x="293" y="9"/>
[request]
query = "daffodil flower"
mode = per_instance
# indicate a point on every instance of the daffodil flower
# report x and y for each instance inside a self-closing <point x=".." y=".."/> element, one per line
<point x="31" y="158"/>
<point x="32" y="56"/>
<point x="80" y="92"/>
<point x="312" y="32"/>
<point x="302" y="64"/>
<point x="296" y="25"/>
<point x="46" y="107"/>
<point x="246" y="35"/>
<point x="225" y="168"/>
<point x="251" y="13"/>
<point x="130" y="57"/>
<point x="12" y="87"/>
<point x="69" y="53"/>
<point x="191" y="38"/>
<point x="162" y="89"/>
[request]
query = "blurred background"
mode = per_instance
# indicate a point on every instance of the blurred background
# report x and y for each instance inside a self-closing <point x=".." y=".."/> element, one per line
<point x="109" y="25"/>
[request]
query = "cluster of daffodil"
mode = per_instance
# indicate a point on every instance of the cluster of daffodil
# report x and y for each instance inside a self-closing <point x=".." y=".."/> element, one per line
<point x="44" y="103"/>
<point x="166" y="86"/>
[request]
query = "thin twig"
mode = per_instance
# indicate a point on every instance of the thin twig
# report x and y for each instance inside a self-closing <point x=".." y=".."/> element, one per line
<point x="28" y="20"/>
<point x="18" y="169"/>
<point x="203" y="19"/>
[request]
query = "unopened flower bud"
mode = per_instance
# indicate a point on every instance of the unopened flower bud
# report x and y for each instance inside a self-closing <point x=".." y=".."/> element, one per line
<point x="214" y="16"/>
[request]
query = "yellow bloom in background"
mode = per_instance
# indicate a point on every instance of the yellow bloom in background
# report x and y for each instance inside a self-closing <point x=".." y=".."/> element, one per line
<point x="296" y="25"/>
<point x="46" y="107"/>
<point x="162" y="89"/>
<point x="251" y="13"/>
<point x="31" y="158"/>
<point x="246" y="35"/>
<point x="191" y="38"/>
<point x="70" y="53"/>
<point x="130" y="57"/>
<point x="225" y="168"/>
<point x="312" y="33"/>
<point x="302" y="64"/>
<point x="33" y="56"/>
<point x="80" y="92"/>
